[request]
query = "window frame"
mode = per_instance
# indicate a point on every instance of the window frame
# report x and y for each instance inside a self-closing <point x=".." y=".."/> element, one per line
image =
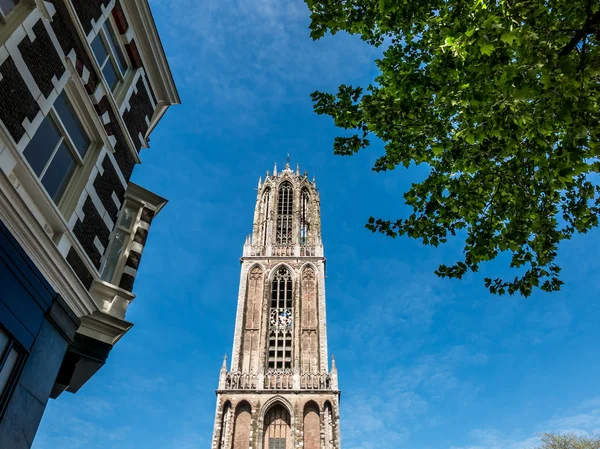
<point x="4" y="16"/>
<point x="66" y="138"/>
<point x="119" y="266"/>
<point x="284" y="226"/>
<point x="281" y="337"/>
<point x="106" y="32"/>
<point x="16" y="370"/>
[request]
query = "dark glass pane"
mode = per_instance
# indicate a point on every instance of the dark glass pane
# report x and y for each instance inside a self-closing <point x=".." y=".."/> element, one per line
<point x="99" y="49"/>
<point x="113" y="41"/>
<point x="57" y="176"/>
<point x="40" y="148"/>
<point x="7" y="5"/>
<point x="110" y="75"/>
<point x="72" y="124"/>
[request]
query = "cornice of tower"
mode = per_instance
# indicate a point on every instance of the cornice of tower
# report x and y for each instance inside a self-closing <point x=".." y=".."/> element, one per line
<point x="297" y="179"/>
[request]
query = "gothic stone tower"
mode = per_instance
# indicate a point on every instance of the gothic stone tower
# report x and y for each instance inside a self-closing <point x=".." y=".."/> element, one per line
<point x="279" y="393"/>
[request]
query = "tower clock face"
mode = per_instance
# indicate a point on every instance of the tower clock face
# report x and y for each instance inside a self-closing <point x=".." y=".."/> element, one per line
<point x="281" y="318"/>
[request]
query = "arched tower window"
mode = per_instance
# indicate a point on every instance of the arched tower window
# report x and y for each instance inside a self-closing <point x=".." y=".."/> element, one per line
<point x="277" y="429"/>
<point x="304" y="216"/>
<point x="264" y="214"/>
<point x="280" y="321"/>
<point x="285" y="210"/>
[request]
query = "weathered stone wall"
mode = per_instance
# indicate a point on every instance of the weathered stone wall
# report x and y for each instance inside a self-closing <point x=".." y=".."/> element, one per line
<point x="309" y="425"/>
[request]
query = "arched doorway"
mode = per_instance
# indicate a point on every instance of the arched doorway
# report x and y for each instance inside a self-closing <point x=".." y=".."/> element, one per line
<point x="277" y="433"/>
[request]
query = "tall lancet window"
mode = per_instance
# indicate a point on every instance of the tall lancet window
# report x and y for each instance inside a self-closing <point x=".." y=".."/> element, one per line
<point x="304" y="217"/>
<point x="285" y="208"/>
<point x="280" y="321"/>
<point x="264" y="215"/>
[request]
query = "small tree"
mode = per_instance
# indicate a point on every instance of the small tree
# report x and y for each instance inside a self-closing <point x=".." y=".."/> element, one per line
<point x="569" y="441"/>
<point x="501" y="99"/>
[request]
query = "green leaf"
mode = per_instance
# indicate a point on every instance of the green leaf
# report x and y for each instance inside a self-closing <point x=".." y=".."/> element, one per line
<point x="508" y="37"/>
<point x="437" y="149"/>
<point x="486" y="49"/>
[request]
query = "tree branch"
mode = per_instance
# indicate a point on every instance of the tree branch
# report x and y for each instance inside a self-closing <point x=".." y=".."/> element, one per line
<point x="588" y="28"/>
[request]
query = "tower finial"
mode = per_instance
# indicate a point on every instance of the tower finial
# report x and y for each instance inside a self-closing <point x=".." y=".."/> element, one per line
<point x="275" y="169"/>
<point x="333" y="367"/>
<point x="297" y="168"/>
<point x="259" y="182"/>
<point x="224" y="366"/>
<point x="288" y="159"/>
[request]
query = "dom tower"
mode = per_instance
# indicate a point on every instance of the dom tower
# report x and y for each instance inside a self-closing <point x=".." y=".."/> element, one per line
<point x="278" y="392"/>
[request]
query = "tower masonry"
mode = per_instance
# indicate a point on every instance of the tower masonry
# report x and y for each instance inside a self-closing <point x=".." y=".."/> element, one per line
<point x="279" y="392"/>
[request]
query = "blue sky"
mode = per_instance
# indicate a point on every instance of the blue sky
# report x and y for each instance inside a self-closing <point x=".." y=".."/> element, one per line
<point x="424" y="363"/>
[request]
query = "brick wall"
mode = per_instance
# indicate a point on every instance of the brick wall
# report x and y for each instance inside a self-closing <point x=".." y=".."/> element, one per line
<point x="89" y="12"/>
<point x="311" y="427"/>
<point x="241" y="430"/>
<point x="16" y="102"/>
<point x="108" y="185"/>
<point x="79" y="268"/>
<point x="89" y="228"/>
<point x="140" y="112"/>
<point x="41" y="58"/>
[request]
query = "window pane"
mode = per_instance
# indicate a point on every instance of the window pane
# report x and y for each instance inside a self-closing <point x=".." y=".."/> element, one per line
<point x="40" y="148"/>
<point x="99" y="49"/>
<point x="72" y="124"/>
<point x="110" y="75"/>
<point x="7" y="369"/>
<point x="7" y="5"/>
<point x="57" y="176"/>
<point x="113" y="41"/>
<point x="112" y="256"/>
<point x="127" y="218"/>
<point x="3" y="342"/>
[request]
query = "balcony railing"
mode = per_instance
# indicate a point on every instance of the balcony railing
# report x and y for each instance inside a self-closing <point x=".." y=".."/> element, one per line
<point x="282" y="250"/>
<point x="278" y="379"/>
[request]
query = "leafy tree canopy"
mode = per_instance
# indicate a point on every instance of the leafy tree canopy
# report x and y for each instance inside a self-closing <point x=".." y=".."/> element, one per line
<point x="500" y="98"/>
<point x="569" y="441"/>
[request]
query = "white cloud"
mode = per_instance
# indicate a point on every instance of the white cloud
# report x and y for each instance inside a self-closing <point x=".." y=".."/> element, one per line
<point x="584" y="419"/>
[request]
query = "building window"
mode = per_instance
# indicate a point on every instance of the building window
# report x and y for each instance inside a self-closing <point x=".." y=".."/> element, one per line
<point x="305" y="225"/>
<point x="118" y="245"/>
<point x="6" y="6"/>
<point x="264" y="215"/>
<point x="59" y="144"/>
<point x="285" y="205"/>
<point x="10" y="362"/>
<point x="280" y="321"/>
<point x="109" y="55"/>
